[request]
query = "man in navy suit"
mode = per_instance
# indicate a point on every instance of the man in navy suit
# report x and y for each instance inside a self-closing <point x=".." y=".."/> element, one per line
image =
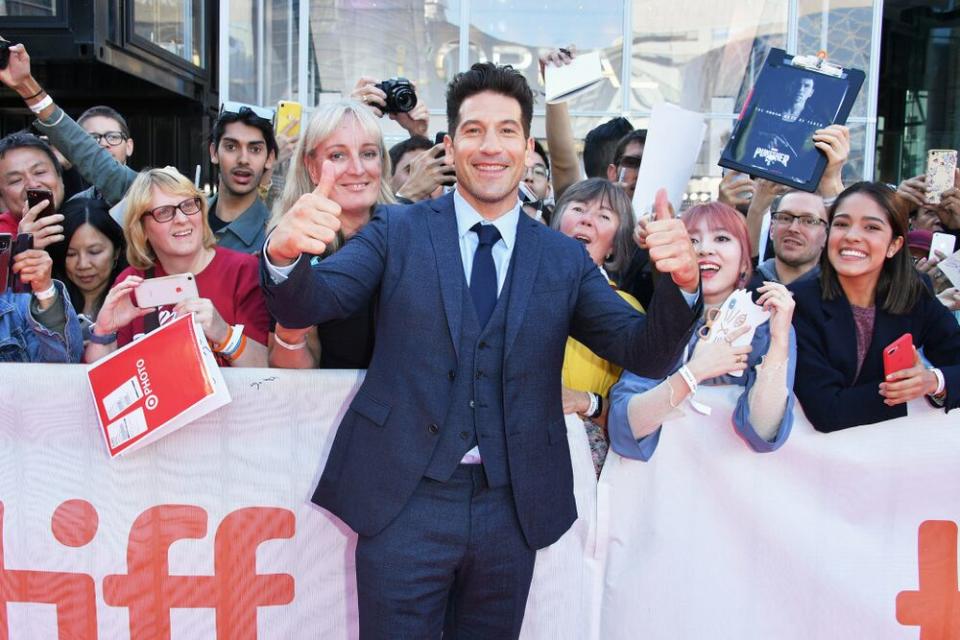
<point x="452" y="462"/>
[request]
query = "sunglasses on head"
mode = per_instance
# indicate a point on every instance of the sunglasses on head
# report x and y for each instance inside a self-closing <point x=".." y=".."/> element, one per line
<point x="240" y="108"/>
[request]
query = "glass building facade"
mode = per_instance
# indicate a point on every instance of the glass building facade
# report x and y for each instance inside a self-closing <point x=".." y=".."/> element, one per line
<point x="703" y="55"/>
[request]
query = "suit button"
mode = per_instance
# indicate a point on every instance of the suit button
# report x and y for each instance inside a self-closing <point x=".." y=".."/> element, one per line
<point x="464" y="435"/>
<point x="479" y="373"/>
<point x="451" y="375"/>
<point x="434" y="429"/>
<point x="482" y="345"/>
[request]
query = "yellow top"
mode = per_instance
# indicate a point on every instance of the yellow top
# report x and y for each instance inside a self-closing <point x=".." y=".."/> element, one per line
<point x="583" y="370"/>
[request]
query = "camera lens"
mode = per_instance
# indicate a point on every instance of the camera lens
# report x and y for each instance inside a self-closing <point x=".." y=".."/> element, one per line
<point x="404" y="98"/>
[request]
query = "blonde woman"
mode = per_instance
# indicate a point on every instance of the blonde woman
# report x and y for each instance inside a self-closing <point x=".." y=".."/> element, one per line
<point x="167" y="232"/>
<point x="345" y="138"/>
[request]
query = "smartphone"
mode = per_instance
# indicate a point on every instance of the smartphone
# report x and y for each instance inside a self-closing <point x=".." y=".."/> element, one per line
<point x="289" y="111"/>
<point x="166" y="290"/>
<point x="942" y="242"/>
<point x="898" y="355"/>
<point x="6" y="244"/>
<point x="24" y="242"/>
<point x="941" y="165"/>
<point x="36" y="196"/>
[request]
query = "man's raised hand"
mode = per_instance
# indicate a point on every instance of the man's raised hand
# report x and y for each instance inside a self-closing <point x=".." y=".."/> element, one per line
<point x="310" y="225"/>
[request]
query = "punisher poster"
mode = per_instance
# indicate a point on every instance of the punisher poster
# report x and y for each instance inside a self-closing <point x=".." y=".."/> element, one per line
<point x="773" y="137"/>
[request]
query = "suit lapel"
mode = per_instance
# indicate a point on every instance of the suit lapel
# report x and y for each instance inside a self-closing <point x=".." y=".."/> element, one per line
<point x="523" y="264"/>
<point x="838" y="321"/>
<point x="442" y="226"/>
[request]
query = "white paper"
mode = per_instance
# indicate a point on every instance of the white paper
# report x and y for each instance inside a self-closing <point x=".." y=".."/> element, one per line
<point x="951" y="268"/>
<point x="673" y="144"/>
<point x="581" y="75"/>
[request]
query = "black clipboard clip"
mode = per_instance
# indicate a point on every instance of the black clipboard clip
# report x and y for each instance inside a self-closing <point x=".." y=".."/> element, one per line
<point x="818" y="64"/>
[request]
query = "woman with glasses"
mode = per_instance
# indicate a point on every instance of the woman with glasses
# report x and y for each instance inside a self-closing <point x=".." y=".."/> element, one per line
<point x="344" y="137"/>
<point x="167" y="232"/>
<point x="867" y="296"/>
<point x="764" y="412"/>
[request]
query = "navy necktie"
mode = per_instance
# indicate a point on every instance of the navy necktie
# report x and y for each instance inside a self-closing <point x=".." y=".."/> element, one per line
<point x="483" y="275"/>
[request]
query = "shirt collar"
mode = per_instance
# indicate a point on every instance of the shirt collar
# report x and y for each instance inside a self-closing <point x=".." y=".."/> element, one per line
<point x="248" y="224"/>
<point x="467" y="216"/>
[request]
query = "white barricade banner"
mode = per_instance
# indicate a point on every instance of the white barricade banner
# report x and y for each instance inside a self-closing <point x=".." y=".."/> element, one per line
<point x="209" y="533"/>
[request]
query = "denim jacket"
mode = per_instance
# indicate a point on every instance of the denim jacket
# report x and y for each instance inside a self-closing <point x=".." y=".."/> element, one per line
<point x="24" y="339"/>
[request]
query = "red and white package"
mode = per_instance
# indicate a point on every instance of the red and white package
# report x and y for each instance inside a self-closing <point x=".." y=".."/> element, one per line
<point x="155" y="385"/>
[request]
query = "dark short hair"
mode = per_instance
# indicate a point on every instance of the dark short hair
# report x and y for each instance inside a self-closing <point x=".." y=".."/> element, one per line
<point x="104" y="111"/>
<point x="76" y="213"/>
<point x="542" y="152"/>
<point x="599" y="145"/>
<point x="899" y="286"/>
<point x="637" y="135"/>
<point x="413" y="143"/>
<point x="486" y="76"/>
<point x="26" y="140"/>
<point x="249" y="118"/>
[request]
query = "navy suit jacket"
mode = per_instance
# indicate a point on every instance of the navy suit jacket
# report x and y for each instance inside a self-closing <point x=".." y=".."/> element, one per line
<point x="832" y="395"/>
<point x="412" y="255"/>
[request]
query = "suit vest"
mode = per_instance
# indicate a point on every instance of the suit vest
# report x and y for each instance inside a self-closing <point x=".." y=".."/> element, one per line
<point x="475" y="414"/>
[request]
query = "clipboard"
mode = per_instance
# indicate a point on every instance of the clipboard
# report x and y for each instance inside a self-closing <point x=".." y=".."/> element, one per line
<point x="793" y="97"/>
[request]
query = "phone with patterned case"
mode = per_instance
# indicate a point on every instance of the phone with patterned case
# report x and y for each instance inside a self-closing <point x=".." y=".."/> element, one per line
<point x="941" y="167"/>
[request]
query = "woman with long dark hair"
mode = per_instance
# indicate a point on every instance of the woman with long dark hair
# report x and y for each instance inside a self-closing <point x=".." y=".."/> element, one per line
<point x="91" y="255"/>
<point x="869" y="295"/>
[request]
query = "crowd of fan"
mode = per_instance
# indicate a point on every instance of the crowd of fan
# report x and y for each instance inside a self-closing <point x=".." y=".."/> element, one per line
<point x="841" y="282"/>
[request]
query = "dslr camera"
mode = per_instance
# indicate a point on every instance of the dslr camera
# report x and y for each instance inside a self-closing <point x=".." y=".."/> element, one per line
<point x="401" y="96"/>
<point x="5" y="53"/>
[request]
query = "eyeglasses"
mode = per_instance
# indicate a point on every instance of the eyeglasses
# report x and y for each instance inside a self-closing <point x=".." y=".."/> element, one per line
<point x="167" y="212"/>
<point x="239" y="108"/>
<point x="538" y="170"/>
<point x="630" y="162"/>
<point x="786" y="219"/>
<point x="113" y="138"/>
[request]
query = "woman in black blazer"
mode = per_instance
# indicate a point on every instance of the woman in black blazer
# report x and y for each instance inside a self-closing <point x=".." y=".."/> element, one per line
<point x="867" y="296"/>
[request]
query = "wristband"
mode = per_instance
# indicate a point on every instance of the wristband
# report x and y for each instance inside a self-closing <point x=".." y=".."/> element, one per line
<point x="689" y="378"/>
<point x="233" y="342"/>
<point x="37" y="94"/>
<point x="231" y="357"/>
<point x="592" y="407"/>
<point x="46" y="294"/>
<point x="105" y="339"/>
<point x="287" y="345"/>
<point x="599" y="410"/>
<point x="40" y="106"/>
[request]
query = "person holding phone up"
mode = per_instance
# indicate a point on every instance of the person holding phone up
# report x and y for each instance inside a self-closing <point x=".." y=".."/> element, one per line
<point x="869" y="295"/>
<point x="168" y="232"/>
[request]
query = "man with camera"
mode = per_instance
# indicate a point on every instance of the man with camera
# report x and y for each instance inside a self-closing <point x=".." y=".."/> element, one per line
<point x="397" y="99"/>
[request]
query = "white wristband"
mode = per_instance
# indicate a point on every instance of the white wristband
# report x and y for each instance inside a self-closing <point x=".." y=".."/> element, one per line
<point x="689" y="378"/>
<point x="40" y="106"/>
<point x="594" y="404"/>
<point x="236" y="335"/>
<point x="286" y="345"/>
<point x="46" y="294"/>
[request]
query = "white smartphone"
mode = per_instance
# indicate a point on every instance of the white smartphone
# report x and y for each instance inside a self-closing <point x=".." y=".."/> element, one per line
<point x="942" y="242"/>
<point x="166" y="290"/>
<point x="941" y="165"/>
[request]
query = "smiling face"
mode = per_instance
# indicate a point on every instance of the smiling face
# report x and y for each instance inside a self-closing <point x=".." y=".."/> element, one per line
<point x="27" y="168"/>
<point x="242" y="156"/>
<point x="593" y="223"/>
<point x="355" y="154"/>
<point x="181" y="237"/>
<point x="490" y="152"/>
<point x="860" y="241"/>
<point x="89" y="260"/>
<point x="720" y="258"/>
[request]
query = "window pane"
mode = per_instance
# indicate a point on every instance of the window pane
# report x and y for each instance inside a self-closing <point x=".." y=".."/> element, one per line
<point x="283" y="19"/>
<point x="22" y="8"/>
<point x="173" y="25"/>
<point x="244" y="25"/>
<point x="517" y="32"/>
<point x="700" y="54"/>
<point x="415" y="39"/>
<point x="844" y="32"/>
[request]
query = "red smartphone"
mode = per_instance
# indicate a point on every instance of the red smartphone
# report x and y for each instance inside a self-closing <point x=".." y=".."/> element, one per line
<point x="36" y="196"/>
<point x="898" y="355"/>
